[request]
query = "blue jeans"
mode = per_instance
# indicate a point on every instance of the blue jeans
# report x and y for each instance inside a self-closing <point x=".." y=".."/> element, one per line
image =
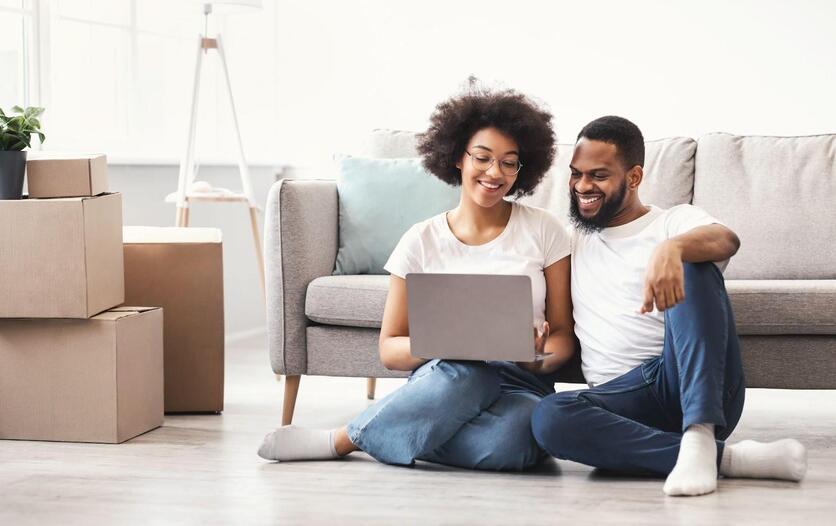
<point x="634" y="423"/>
<point x="462" y="413"/>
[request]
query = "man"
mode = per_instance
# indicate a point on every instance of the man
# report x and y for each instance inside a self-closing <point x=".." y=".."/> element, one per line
<point x="658" y="340"/>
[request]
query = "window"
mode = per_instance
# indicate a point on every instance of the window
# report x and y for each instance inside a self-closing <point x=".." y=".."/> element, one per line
<point x="120" y="76"/>
<point x="116" y="76"/>
<point x="17" y="57"/>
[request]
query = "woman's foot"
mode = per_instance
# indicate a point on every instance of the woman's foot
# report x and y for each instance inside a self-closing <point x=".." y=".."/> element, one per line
<point x="298" y="443"/>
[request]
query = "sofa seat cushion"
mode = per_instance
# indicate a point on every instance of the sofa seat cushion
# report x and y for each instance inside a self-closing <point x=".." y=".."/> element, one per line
<point x="763" y="307"/>
<point x="351" y="301"/>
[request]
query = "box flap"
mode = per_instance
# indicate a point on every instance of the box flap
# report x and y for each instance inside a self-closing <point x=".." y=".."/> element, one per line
<point x="117" y="313"/>
<point x="110" y="315"/>
<point x="153" y="234"/>
<point x="40" y="155"/>
<point x="27" y="199"/>
<point x="127" y="308"/>
<point x="86" y="197"/>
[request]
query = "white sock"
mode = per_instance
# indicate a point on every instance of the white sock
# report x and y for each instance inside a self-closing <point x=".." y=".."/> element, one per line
<point x="298" y="443"/>
<point x="785" y="459"/>
<point x="695" y="472"/>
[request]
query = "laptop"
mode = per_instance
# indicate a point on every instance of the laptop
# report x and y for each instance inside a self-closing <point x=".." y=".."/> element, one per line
<point x="470" y="317"/>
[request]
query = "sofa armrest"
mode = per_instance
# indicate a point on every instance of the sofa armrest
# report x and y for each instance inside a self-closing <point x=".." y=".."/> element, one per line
<point x="300" y="245"/>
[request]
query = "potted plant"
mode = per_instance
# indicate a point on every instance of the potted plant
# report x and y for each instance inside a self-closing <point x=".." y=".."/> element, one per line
<point x="16" y="132"/>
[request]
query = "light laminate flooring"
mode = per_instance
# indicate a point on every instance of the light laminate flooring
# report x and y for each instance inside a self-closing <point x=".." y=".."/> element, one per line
<point x="203" y="469"/>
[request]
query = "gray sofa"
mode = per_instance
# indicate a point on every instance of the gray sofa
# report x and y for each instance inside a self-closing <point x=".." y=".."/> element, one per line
<point x="777" y="193"/>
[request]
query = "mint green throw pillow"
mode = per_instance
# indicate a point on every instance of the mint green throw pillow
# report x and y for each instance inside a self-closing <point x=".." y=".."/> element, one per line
<point x="379" y="200"/>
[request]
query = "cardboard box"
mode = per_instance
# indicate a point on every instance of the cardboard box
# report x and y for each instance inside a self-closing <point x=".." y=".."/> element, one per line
<point x="63" y="175"/>
<point x="94" y="380"/>
<point x="61" y="258"/>
<point x="181" y="270"/>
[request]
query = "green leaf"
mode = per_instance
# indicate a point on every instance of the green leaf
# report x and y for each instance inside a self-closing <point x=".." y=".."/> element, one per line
<point x="16" y="130"/>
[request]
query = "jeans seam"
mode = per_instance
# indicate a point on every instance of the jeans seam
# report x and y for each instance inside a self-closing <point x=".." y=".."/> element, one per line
<point x="655" y="396"/>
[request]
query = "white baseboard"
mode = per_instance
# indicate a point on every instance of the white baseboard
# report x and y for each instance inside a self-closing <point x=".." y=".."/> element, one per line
<point x="237" y="336"/>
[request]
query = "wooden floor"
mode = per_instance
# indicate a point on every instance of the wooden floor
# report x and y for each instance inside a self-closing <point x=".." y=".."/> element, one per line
<point x="203" y="469"/>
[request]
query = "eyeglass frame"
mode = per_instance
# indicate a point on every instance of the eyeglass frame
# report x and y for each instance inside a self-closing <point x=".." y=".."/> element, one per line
<point x="493" y="160"/>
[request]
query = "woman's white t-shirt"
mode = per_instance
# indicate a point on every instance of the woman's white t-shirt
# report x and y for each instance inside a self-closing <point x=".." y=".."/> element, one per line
<point x="532" y="240"/>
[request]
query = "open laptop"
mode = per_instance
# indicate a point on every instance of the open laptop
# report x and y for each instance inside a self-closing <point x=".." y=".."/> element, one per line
<point x="470" y="317"/>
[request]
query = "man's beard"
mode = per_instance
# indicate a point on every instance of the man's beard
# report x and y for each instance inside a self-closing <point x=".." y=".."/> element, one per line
<point x="608" y="210"/>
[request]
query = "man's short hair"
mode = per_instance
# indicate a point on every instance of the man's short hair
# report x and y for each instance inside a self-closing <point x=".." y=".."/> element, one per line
<point x="623" y="134"/>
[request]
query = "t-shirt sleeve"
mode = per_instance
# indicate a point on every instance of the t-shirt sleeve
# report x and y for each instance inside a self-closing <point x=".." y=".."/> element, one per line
<point x="406" y="258"/>
<point x="557" y="241"/>
<point x="683" y="218"/>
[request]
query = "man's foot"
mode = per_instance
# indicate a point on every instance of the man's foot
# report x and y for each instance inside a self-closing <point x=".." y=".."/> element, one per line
<point x="695" y="472"/>
<point x="785" y="459"/>
<point x="298" y="443"/>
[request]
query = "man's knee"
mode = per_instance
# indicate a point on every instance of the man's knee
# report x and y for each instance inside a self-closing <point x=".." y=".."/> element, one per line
<point x="699" y="276"/>
<point x="554" y="424"/>
<point x="705" y="293"/>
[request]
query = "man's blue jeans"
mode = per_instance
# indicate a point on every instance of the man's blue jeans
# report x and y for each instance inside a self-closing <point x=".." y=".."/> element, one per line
<point x="462" y="413"/>
<point x="634" y="423"/>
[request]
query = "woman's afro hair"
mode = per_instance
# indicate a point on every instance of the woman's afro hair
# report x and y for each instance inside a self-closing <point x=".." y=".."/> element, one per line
<point x="457" y="119"/>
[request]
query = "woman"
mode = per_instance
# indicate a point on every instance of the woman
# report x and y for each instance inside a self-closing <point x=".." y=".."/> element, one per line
<point x="465" y="413"/>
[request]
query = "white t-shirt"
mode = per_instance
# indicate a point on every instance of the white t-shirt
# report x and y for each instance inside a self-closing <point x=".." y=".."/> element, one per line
<point x="608" y="271"/>
<point x="532" y="240"/>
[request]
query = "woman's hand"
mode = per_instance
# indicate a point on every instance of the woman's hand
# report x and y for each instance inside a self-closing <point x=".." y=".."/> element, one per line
<point x="540" y="337"/>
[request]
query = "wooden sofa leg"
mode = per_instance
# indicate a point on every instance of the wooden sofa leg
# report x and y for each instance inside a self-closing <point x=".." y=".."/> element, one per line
<point x="291" y="389"/>
<point x="370" y="385"/>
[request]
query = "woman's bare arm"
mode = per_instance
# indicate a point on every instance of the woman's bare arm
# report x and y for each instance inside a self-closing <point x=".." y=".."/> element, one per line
<point x="394" y="330"/>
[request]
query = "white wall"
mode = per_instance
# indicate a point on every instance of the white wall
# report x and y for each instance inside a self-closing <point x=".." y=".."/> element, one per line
<point x="673" y="67"/>
<point x="312" y="77"/>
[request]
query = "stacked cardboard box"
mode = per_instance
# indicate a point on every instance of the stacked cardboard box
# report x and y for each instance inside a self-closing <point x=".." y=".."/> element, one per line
<point x="72" y="366"/>
<point x="181" y="270"/>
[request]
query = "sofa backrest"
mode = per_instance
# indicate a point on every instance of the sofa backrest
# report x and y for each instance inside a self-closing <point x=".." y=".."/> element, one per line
<point x="779" y="195"/>
<point x="668" y="181"/>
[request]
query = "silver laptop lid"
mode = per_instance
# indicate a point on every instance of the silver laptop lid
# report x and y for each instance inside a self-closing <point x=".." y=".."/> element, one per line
<point x="470" y="316"/>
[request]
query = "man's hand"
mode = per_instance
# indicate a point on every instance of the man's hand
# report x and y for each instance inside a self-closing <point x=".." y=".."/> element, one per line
<point x="664" y="282"/>
<point x="540" y="337"/>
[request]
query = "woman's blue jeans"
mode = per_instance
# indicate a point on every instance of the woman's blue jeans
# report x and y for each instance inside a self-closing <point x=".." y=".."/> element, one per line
<point x="635" y="422"/>
<point x="462" y="413"/>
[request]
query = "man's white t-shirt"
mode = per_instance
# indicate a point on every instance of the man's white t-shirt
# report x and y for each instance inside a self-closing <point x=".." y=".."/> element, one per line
<point x="532" y="240"/>
<point x="608" y="271"/>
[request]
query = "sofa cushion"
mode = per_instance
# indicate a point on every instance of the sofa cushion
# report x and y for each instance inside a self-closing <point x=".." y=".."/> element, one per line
<point x="346" y="351"/>
<point x="764" y="307"/>
<point x="352" y="301"/>
<point x="379" y="199"/>
<point x="778" y="194"/>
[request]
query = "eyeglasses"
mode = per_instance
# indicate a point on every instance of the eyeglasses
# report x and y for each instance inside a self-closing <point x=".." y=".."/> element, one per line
<point x="483" y="163"/>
